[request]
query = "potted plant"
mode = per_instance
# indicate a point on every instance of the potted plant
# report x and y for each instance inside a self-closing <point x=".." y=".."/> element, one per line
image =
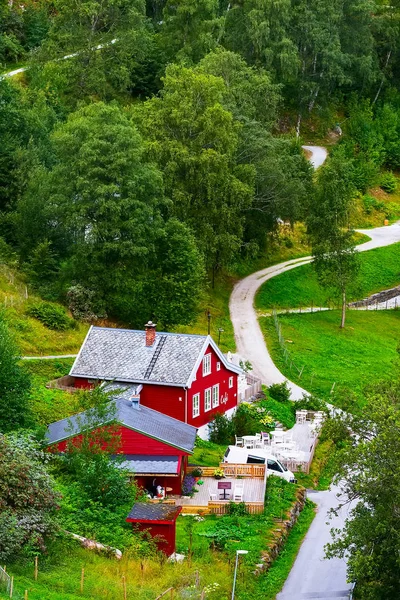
<point x="219" y="473"/>
<point x="197" y="473"/>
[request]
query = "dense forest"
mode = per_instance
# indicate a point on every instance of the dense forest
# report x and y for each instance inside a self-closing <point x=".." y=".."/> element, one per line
<point x="147" y="147"/>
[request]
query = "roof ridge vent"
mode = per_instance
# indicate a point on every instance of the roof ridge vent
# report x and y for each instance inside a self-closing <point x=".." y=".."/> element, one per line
<point x="157" y="351"/>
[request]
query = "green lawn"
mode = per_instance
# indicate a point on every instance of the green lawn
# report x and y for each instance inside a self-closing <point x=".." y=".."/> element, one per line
<point x="361" y="354"/>
<point x="380" y="269"/>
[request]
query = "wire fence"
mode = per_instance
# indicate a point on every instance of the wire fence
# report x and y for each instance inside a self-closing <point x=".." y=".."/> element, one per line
<point x="366" y="305"/>
<point x="5" y="581"/>
<point x="293" y="367"/>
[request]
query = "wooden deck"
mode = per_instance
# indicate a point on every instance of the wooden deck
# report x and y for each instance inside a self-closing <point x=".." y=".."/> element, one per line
<point x="306" y="442"/>
<point x="253" y="491"/>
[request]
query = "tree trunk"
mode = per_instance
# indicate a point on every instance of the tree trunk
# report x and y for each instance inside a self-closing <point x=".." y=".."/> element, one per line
<point x="343" y="310"/>
<point x="298" y="125"/>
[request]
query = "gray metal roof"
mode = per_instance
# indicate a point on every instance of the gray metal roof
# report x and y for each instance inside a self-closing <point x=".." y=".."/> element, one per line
<point x="143" y="419"/>
<point x="122" y="355"/>
<point x="145" y="511"/>
<point x="144" y="464"/>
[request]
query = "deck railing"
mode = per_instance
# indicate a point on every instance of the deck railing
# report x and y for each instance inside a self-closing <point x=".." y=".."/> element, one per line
<point x="233" y="470"/>
<point x="220" y="508"/>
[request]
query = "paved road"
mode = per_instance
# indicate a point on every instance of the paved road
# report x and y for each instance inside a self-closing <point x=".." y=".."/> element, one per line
<point x="318" y="155"/>
<point x="311" y="575"/>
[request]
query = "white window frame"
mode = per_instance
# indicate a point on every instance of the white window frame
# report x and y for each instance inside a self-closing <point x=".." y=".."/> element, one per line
<point x="195" y="405"/>
<point x="215" y="396"/>
<point x="230" y="382"/>
<point x="207" y="364"/>
<point x="207" y="399"/>
<point x="218" y="366"/>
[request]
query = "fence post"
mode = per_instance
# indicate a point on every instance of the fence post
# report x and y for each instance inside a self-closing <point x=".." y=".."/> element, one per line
<point x="26" y="595"/>
<point x="124" y="585"/>
<point x="11" y="587"/>
<point x="82" y="579"/>
<point x="36" y="567"/>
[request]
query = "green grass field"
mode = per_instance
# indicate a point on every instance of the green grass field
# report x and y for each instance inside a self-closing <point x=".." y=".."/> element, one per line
<point x="361" y="354"/>
<point x="380" y="269"/>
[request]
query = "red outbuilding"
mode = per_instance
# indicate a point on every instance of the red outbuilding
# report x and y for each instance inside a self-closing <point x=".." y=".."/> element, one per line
<point x="151" y="446"/>
<point x="159" y="520"/>
<point x="186" y="377"/>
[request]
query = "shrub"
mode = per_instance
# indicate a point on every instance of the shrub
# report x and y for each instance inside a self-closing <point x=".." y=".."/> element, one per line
<point x="370" y="204"/>
<point x="197" y="472"/>
<point x="83" y="304"/>
<point x="279" y="391"/>
<point x="388" y="182"/>
<point x="51" y="315"/>
<point x="237" y="509"/>
<point x="310" y="403"/>
<point x="221" y="429"/>
<point x="252" y="418"/>
<point x="189" y="485"/>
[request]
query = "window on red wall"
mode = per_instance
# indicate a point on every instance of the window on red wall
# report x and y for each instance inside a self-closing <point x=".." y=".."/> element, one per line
<point x="231" y="382"/>
<point x="207" y="399"/>
<point x="215" y="396"/>
<point x="196" y="405"/>
<point x="218" y="366"/>
<point x="207" y="364"/>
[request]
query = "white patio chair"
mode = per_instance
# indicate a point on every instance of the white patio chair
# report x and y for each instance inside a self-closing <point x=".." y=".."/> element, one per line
<point x="213" y="497"/>
<point x="238" y="491"/>
<point x="239" y="441"/>
<point x="266" y="440"/>
<point x="300" y="417"/>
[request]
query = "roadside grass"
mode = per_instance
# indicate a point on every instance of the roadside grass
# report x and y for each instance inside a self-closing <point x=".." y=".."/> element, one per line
<point x="214" y="543"/>
<point x="322" y="467"/>
<point x="363" y="353"/>
<point x="386" y="207"/>
<point x="380" y="269"/>
<point x="49" y="405"/>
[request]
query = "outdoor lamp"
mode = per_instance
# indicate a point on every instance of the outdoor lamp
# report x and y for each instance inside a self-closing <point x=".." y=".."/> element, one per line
<point x="235" y="573"/>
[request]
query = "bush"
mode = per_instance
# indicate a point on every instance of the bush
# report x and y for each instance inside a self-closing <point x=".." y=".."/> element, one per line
<point x="197" y="472"/>
<point x="311" y="403"/>
<point x="237" y="509"/>
<point x="83" y="304"/>
<point x="51" y="315"/>
<point x="279" y="391"/>
<point x="388" y="182"/>
<point x="189" y="486"/>
<point x="370" y="204"/>
<point x="221" y="429"/>
<point x="252" y="418"/>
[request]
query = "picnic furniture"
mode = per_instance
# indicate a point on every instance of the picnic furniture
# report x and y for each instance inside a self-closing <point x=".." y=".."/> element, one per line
<point x="238" y="491"/>
<point x="224" y="485"/>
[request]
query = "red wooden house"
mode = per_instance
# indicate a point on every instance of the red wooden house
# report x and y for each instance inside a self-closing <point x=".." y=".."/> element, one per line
<point x="154" y="446"/>
<point x="183" y="376"/>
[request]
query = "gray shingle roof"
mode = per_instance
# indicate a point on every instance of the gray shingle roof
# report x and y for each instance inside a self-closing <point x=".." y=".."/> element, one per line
<point x="144" y="420"/>
<point x="145" y="464"/>
<point x="122" y="355"/>
<point x="143" y="511"/>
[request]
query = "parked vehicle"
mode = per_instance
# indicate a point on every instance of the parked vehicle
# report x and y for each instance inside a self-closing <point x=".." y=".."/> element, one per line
<point x="258" y="456"/>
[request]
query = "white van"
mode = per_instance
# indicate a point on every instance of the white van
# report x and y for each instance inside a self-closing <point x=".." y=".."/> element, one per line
<point x="258" y="456"/>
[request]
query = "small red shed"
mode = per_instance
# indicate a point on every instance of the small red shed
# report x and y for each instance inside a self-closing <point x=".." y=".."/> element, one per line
<point x="159" y="520"/>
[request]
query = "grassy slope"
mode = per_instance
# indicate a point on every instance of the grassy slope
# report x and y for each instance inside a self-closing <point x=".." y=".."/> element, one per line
<point x="33" y="338"/>
<point x="60" y="571"/>
<point x="380" y="269"/>
<point x="363" y="353"/>
<point x="49" y="405"/>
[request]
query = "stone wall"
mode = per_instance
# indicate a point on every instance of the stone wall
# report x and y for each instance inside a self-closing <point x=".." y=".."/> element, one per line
<point x="281" y="533"/>
<point x="379" y="297"/>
